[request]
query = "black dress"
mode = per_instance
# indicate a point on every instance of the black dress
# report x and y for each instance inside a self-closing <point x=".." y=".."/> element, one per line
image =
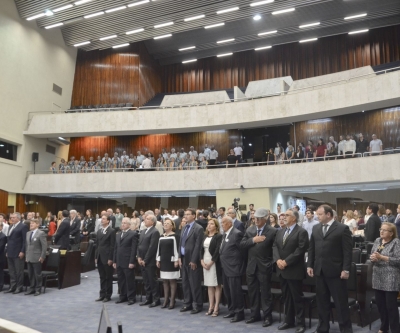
<point x="231" y="161"/>
<point x="167" y="254"/>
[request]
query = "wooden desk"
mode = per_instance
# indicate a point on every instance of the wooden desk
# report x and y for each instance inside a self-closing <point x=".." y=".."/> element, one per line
<point x="69" y="273"/>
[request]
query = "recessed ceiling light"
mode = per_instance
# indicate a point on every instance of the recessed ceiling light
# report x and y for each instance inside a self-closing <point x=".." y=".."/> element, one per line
<point x="54" y="25"/>
<point x="224" y="54"/>
<point x="59" y="9"/>
<point x="358" y="31"/>
<point x="187" y="48"/>
<point x="194" y="18"/>
<point x="268" y="32"/>
<point x="262" y="48"/>
<point x="108" y="37"/>
<point x="191" y="60"/>
<point x="355" y="16"/>
<point x="93" y="15"/>
<point x="214" y="25"/>
<point x="259" y="3"/>
<point x="115" y="9"/>
<point x="307" y="40"/>
<point x="163" y="25"/>
<point x="138" y="3"/>
<point x="81" y="2"/>
<point x="309" y="25"/>
<point x="227" y="10"/>
<point x="283" y="11"/>
<point x="163" y="36"/>
<point x="120" y="45"/>
<point x="80" y="44"/>
<point x="134" y="31"/>
<point x="35" y="17"/>
<point x="256" y="17"/>
<point x="225" y="40"/>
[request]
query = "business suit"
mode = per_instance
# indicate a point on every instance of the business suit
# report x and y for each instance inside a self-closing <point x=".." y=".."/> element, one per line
<point x="125" y="254"/>
<point x="75" y="233"/>
<point x="3" y="242"/>
<point x="328" y="256"/>
<point x="36" y="246"/>
<point x="16" y="244"/>
<point x="371" y="231"/>
<point x="104" y="253"/>
<point x="233" y="267"/>
<point x="239" y="225"/>
<point x="259" y="270"/>
<point x="89" y="225"/>
<point x="61" y="237"/>
<point x="147" y="251"/>
<point x="292" y="252"/>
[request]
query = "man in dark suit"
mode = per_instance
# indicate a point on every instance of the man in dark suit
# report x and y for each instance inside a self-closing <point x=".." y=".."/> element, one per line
<point x="104" y="258"/>
<point x="258" y="242"/>
<point x="146" y="253"/>
<point x="236" y="223"/>
<point x="62" y="234"/>
<point x="112" y="218"/>
<point x="16" y="243"/>
<point x="3" y="242"/>
<point x="189" y="260"/>
<point x="329" y="260"/>
<point x="124" y="261"/>
<point x="251" y="209"/>
<point x="233" y="267"/>
<point x="289" y="248"/>
<point x="75" y="230"/>
<point x="371" y="231"/>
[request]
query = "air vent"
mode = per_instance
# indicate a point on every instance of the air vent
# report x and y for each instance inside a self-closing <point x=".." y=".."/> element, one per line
<point x="57" y="89"/>
<point x="50" y="149"/>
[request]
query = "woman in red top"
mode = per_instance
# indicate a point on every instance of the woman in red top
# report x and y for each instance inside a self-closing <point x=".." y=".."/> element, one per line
<point x="320" y="152"/>
<point x="52" y="226"/>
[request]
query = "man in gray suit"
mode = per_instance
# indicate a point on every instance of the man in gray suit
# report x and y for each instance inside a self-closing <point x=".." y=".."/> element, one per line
<point x="36" y="246"/>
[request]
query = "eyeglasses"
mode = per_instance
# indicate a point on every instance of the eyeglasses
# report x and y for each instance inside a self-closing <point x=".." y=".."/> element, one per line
<point x="384" y="230"/>
<point x="288" y="215"/>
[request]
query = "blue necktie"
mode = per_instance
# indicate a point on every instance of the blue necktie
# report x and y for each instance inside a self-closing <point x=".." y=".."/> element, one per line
<point x="184" y="236"/>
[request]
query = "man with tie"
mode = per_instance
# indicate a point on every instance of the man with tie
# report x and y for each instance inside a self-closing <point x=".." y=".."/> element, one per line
<point x="3" y="242"/>
<point x="189" y="260"/>
<point x="16" y="243"/>
<point x="329" y="260"/>
<point x="146" y="254"/>
<point x="397" y="221"/>
<point x="124" y="261"/>
<point x="258" y="242"/>
<point x="104" y="258"/>
<point x="36" y="246"/>
<point x="233" y="267"/>
<point x="75" y="230"/>
<point x="62" y="234"/>
<point x="289" y="248"/>
<point x="236" y="223"/>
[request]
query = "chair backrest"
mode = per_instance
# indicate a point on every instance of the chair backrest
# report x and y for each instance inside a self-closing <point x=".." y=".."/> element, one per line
<point x="369" y="248"/>
<point x="53" y="261"/>
<point x="88" y="253"/>
<point x="356" y="256"/>
<point x="352" y="281"/>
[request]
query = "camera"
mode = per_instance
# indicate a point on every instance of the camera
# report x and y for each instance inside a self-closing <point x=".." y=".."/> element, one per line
<point x="235" y="203"/>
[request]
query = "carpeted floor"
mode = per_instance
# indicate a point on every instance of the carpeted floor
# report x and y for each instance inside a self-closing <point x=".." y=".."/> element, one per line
<point x="74" y="310"/>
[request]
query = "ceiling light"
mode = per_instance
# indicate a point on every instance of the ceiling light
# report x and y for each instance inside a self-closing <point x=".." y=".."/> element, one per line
<point x="338" y="190"/>
<point x="373" y="189"/>
<point x="134" y="31"/>
<point x="108" y="37"/>
<point x="54" y="25"/>
<point x="224" y="54"/>
<point x="49" y="12"/>
<point x="355" y="16"/>
<point x="187" y="48"/>
<point x="120" y="45"/>
<point x="227" y="10"/>
<point x="163" y="36"/>
<point x="59" y="9"/>
<point x="214" y="25"/>
<point x="35" y="17"/>
<point x="268" y="32"/>
<point x="191" y="60"/>
<point x="358" y="31"/>
<point x="138" y="3"/>
<point x="115" y="9"/>
<point x="194" y="18"/>
<point x="81" y="2"/>
<point x="80" y="44"/>
<point x="93" y="15"/>
<point x="226" y="40"/>
<point x="262" y="48"/>
<point x="259" y="3"/>
<point x="257" y="17"/>
<point x="163" y="25"/>
<point x="307" y="40"/>
<point x="309" y="25"/>
<point x="283" y="11"/>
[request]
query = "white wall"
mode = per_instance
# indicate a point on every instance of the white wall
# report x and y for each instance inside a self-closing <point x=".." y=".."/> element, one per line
<point x="32" y="59"/>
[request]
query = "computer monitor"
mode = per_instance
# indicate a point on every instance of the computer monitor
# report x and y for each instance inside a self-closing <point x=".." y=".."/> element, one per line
<point x="104" y="324"/>
<point x="119" y="327"/>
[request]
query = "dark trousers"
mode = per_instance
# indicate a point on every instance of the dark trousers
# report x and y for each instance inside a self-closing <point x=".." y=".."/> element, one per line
<point x="191" y="285"/>
<point x="106" y="276"/>
<point x="211" y="162"/>
<point x="16" y="271"/>
<point x="386" y="301"/>
<point x="337" y="289"/>
<point x="1" y="275"/>
<point x="35" y="275"/>
<point x="294" y="309"/>
<point x="233" y="293"/>
<point x="126" y="283"/>
<point x="150" y="283"/>
<point x="259" y="285"/>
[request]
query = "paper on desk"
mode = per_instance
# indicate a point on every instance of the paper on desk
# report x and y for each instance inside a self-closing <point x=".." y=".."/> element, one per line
<point x="54" y="251"/>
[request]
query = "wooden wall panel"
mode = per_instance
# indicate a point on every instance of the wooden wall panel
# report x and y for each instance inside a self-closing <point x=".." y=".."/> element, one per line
<point x="328" y="55"/>
<point x="3" y="202"/>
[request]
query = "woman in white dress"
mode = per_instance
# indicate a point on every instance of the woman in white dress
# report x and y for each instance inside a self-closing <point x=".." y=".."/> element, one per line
<point x="350" y="221"/>
<point x="212" y="266"/>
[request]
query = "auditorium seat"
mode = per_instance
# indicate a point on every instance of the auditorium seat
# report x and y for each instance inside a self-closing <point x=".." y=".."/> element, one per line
<point x="356" y="256"/>
<point x="309" y="297"/>
<point x="52" y="268"/>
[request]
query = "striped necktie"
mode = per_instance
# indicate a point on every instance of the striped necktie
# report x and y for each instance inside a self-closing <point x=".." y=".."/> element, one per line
<point x="285" y="235"/>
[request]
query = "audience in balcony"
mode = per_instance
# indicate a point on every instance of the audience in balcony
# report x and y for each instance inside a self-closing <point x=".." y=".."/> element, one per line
<point x="320" y="151"/>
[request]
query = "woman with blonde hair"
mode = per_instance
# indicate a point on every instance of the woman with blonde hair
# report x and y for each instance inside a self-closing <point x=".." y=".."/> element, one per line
<point x="59" y="218"/>
<point x="350" y="221"/>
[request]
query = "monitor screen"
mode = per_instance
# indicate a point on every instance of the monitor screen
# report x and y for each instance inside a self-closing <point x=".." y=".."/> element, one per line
<point x="104" y="324"/>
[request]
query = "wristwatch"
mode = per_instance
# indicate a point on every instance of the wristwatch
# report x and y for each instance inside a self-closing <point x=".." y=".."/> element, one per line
<point x="347" y="272"/>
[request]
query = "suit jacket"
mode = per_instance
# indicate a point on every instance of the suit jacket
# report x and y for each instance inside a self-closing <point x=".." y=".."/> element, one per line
<point x="62" y="235"/>
<point x="89" y="224"/>
<point x="3" y="242"/>
<point x="259" y="255"/>
<point x="296" y="245"/>
<point x="126" y="248"/>
<point x="36" y="247"/>
<point x="203" y="223"/>
<point x="330" y="254"/>
<point x="105" y="245"/>
<point x="75" y="230"/>
<point x="239" y="225"/>
<point x="148" y="245"/>
<point x="16" y="241"/>
<point x="371" y="231"/>
<point x="193" y="245"/>
<point x="231" y="256"/>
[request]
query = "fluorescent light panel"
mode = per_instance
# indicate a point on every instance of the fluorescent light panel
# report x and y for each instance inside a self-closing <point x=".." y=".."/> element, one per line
<point x="194" y="18"/>
<point x="138" y="3"/>
<point x="163" y="36"/>
<point x="226" y="40"/>
<point x="191" y="60"/>
<point x="224" y="54"/>
<point x="259" y="3"/>
<point x="59" y="9"/>
<point x="256" y="17"/>
<point x="35" y="17"/>
<point x="358" y="31"/>
<point x="120" y="45"/>
<point x="187" y="48"/>
<point x="163" y="25"/>
<point x="81" y="2"/>
<point x="54" y="25"/>
<point x="307" y="40"/>
<point x="214" y="25"/>
<point x="268" y="32"/>
<point x="355" y="16"/>
<point x="115" y="9"/>
<point x="262" y="48"/>
<point x="309" y="25"/>
<point x="134" y="31"/>
<point x="108" y="37"/>
<point x="93" y="15"/>
<point x="227" y="10"/>
<point x="80" y="44"/>
<point x="283" y="11"/>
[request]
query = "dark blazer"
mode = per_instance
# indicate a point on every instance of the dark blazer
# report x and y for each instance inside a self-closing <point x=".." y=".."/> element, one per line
<point x="177" y="223"/>
<point x="260" y="255"/>
<point x="126" y="248"/>
<point x="3" y="242"/>
<point x="89" y="224"/>
<point x="231" y="256"/>
<point x="75" y="230"/>
<point x="239" y="225"/>
<point x="330" y="254"/>
<point x="16" y="241"/>
<point x="296" y="245"/>
<point x="215" y="245"/>
<point x="105" y="245"/>
<point x="193" y="245"/>
<point x="203" y="223"/>
<point x="112" y="222"/>
<point x="371" y="231"/>
<point x="148" y="245"/>
<point x="62" y="235"/>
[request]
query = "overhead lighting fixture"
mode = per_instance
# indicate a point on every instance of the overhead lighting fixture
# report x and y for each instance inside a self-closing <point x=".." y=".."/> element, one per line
<point x="163" y="36"/>
<point x="187" y="48"/>
<point x="214" y="25"/>
<point x="227" y="10"/>
<point x="283" y="11"/>
<point x="115" y="9"/>
<point x="163" y="25"/>
<point x="138" y="3"/>
<point x="134" y="31"/>
<point x="81" y="2"/>
<point x="374" y="189"/>
<point x="355" y="16"/>
<point x="334" y="191"/>
<point x="224" y="54"/>
<point x="120" y="45"/>
<point x="191" y="60"/>
<point x="93" y="15"/>
<point x="225" y="40"/>
<point x="307" y="40"/>
<point x="80" y="44"/>
<point x="108" y="37"/>
<point x="256" y="17"/>
<point x="54" y="25"/>
<point x="262" y="48"/>
<point x="1" y="145"/>
<point x="194" y="18"/>
<point x="358" y="31"/>
<point x="309" y="25"/>
<point x="36" y="17"/>
<point x="268" y="32"/>
<point x="49" y="12"/>
<point x="59" y="9"/>
<point x="259" y="3"/>
<point x="61" y="138"/>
